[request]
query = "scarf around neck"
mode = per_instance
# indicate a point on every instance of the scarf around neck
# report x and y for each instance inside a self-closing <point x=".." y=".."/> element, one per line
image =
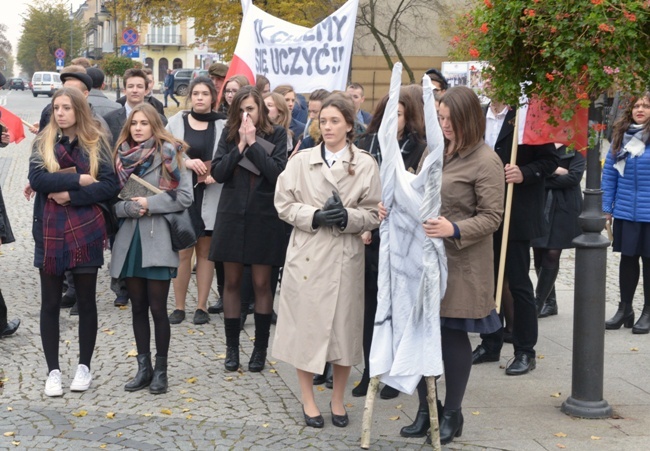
<point x="633" y="145"/>
<point x="131" y="158"/>
<point x="207" y="117"/>
<point x="72" y="235"/>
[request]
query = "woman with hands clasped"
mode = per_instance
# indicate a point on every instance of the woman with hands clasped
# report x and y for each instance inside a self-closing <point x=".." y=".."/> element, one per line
<point x="142" y="251"/>
<point x="252" y="153"/>
<point x="70" y="171"/>
<point x="201" y="129"/>
<point x="470" y="212"/>
<point x="329" y="194"/>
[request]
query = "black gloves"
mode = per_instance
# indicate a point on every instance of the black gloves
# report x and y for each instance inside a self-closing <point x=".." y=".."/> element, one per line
<point x="132" y="209"/>
<point x="332" y="214"/>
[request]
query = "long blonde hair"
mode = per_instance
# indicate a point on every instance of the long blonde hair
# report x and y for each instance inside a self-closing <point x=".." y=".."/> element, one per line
<point x="90" y="134"/>
<point x="160" y="134"/>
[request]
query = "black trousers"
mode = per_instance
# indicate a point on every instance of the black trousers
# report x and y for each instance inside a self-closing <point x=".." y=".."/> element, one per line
<point x="517" y="267"/>
<point x="3" y="312"/>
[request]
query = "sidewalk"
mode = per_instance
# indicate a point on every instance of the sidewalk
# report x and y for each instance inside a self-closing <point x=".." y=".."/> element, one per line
<point x="207" y="408"/>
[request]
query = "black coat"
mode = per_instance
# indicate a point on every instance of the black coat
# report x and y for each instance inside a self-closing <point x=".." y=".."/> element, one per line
<point x="248" y="229"/>
<point x="536" y="163"/>
<point x="151" y="100"/>
<point x="563" y="203"/>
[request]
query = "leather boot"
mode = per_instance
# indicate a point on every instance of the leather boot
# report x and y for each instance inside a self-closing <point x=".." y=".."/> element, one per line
<point x="159" y="380"/>
<point x="232" y="344"/>
<point x="545" y="284"/>
<point x="144" y="375"/>
<point x="451" y="425"/>
<point x="550" y="306"/>
<point x="623" y="316"/>
<point x="262" y="332"/>
<point x="642" y="326"/>
<point x="422" y="422"/>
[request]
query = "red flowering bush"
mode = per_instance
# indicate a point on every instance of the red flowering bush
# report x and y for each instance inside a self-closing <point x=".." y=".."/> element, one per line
<point x="568" y="51"/>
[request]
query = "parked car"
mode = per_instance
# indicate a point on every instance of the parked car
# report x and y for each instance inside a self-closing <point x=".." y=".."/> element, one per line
<point x="16" y="83"/>
<point x="182" y="79"/>
<point x="200" y="73"/>
<point x="45" y="83"/>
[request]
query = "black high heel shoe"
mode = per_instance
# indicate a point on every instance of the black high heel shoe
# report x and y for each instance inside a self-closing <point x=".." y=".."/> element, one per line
<point x="624" y="316"/>
<point x="313" y="422"/>
<point x="340" y="421"/>
<point x="451" y="425"/>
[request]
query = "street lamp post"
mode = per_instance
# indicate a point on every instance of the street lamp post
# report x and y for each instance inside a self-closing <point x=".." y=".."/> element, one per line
<point x="71" y="23"/>
<point x="103" y="15"/>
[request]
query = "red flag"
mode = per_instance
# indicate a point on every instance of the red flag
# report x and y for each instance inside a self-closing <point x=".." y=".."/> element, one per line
<point x="14" y="125"/>
<point x="535" y="129"/>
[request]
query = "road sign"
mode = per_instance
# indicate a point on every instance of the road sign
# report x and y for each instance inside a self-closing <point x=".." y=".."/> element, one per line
<point x="130" y="51"/>
<point x="59" y="53"/>
<point x="59" y="63"/>
<point x="129" y="36"/>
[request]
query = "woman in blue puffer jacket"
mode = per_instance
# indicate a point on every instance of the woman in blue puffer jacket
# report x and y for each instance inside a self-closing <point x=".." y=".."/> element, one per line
<point x="626" y="198"/>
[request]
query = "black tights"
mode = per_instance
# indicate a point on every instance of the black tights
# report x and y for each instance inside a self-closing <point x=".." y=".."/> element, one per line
<point x="232" y="289"/>
<point x="628" y="278"/>
<point x="546" y="258"/>
<point x="51" y="287"/>
<point x="457" y="358"/>
<point x="151" y="294"/>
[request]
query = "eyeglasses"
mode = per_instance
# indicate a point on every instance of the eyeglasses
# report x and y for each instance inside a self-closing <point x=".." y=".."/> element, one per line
<point x="230" y="92"/>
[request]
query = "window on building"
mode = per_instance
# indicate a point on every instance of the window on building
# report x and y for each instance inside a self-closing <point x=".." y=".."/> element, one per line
<point x="164" y="34"/>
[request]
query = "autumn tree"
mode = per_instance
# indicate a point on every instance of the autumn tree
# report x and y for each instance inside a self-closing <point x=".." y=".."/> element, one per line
<point x="220" y="19"/>
<point x="47" y="27"/>
<point x="393" y="23"/>
<point x="6" y="60"/>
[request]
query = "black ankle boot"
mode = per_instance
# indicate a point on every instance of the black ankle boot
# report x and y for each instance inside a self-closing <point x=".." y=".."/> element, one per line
<point x="545" y="284"/>
<point x="623" y="316"/>
<point x="550" y="306"/>
<point x="159" y="381"/>
<point x="422" y="422"/>
<point x="232" y="344"/>
<point x="642" y="326"/>
<point x="144" y="375"/>
<point x="262" y="332"/>
<point x="451" y="425"/>
<point x="362" y="388"/>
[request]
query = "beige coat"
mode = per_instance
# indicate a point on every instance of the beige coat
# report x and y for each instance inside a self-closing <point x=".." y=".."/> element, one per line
<point x="472" y="197"/>
<point x="320" y="316"/>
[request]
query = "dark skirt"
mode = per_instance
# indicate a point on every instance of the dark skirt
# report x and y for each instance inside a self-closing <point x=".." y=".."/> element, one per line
<point x="631" y="238"/>
<point x="133" y="263"/>
<point x="487" y="325"/>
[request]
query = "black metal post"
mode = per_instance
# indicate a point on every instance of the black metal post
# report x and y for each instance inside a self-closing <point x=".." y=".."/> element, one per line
<point x="586" y="400"/>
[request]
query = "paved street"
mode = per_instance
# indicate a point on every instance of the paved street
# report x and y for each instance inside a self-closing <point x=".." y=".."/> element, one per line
<point x="207" y="408"/>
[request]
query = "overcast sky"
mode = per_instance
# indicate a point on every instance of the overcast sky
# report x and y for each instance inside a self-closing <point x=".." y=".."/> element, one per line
<point x="11" y="12"/>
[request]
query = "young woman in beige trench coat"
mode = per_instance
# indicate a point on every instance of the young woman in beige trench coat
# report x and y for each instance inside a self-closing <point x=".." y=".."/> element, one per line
<point x="329" y="194"/>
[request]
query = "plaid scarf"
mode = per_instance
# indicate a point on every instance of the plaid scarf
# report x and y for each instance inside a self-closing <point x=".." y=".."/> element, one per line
<point x="130" y="158"/>
<point x="72" y="235"/>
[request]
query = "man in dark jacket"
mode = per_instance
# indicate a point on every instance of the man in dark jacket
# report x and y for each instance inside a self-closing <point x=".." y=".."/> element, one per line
<point x="169" y="88"/>
<point x="100" y="104"/>
<point x="6" y="236"/>
<point x="148" y="97"/>
<point x="533" y="165"/>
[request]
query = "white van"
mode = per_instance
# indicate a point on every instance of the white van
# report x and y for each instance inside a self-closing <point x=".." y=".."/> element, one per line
<point x="45" y="83"/>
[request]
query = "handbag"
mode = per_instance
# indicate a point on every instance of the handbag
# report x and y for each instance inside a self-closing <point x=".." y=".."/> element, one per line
<point x="112" y="223"/>
<point x="185" y="227"/>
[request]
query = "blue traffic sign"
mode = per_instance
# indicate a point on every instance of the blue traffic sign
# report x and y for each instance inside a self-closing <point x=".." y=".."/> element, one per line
<point x="129" y="36"/>
<point x="130" y="51"/>
<point x="60" y="62"/>
<point x="59" y="53"/>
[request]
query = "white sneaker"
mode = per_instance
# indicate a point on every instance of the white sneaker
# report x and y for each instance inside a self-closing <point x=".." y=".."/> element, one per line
<point x="82" y="379"/>
<point x="53" y="384"/>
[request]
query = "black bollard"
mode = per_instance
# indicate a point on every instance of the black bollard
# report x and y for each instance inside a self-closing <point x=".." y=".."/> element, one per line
<point x="586" y="400"/>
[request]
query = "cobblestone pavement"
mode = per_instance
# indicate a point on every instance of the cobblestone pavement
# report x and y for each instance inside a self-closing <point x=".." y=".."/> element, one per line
<point x="205" y="408"/>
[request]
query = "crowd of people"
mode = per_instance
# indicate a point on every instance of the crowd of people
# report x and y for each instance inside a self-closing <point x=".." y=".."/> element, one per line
<point x="290" y="186"/>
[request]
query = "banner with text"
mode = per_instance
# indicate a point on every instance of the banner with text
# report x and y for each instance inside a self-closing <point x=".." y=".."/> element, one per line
<point x="306" y="58"/>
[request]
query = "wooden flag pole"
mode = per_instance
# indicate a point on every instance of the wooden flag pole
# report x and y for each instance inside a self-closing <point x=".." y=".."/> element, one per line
<point x="433" y="412"/>
<point x="506" y="217"/>
<point x="366" y="422"/>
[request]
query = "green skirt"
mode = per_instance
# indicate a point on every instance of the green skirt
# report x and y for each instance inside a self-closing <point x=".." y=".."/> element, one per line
<point x="133" y="263"/>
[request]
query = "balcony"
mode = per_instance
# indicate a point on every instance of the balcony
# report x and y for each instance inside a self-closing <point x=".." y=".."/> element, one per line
<point x="164" y="39"/>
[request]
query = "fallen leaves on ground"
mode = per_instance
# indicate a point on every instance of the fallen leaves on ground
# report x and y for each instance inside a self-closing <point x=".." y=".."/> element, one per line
<point x="476" y="412"/>
<point x="123" y="307"/>
<point x="79" y="414"/>
<point x="9" y="409"/>
<point x="108" y="331"/>
<point x="67" y="342"/>
<point x="9" y="434"/>
<point x="556" y="395"/>
<point x="273" y="371"/>
<point x="188" y="417"/>
<point x="634" y="349"/>
<point x="560" y="434"/>
<point x="560" y="445"/>
<point x="147" y="414"/>
<point x="273" y="362"/>
<point x="110" y="415"/>
<point x="349" y="405"/>
<point x="182" y="392"/>
<point x="399" y="406"/>
<point x="540" y="356"/>
<point x="191" y="331"/>
<point x="103" y="446"/>
<point x="192" y="380"/>
<point x="595" y="437"/>
<point x="265" y="425"/>
<point x="221" y="356"/>
<point x="15" y="443"/>
<point x="185" y="410"/>
<point x="320" y="388"/>
<point x="189" y="400"/>
<point x="166" y="411"/>
<point x="356" y="383"/>
<point x="395" y="418"/>
<point x="228" y="379"/>
<point x="132" y="353"/>
<point x="119" y="434"/>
